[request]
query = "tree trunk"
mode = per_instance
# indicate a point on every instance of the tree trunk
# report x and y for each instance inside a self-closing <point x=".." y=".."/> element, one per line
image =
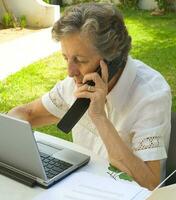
<point x="5" y="6"/>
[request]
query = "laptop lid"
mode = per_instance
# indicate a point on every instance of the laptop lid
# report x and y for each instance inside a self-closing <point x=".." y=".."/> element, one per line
<point x="18" y="147"/>
<point x="19" y="150"/>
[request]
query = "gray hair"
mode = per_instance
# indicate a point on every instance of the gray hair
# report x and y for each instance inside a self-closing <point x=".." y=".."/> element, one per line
<point x="102" y="23"/>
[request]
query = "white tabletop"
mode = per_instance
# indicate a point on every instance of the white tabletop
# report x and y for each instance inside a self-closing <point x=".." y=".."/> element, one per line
<point x="10" y="189"/>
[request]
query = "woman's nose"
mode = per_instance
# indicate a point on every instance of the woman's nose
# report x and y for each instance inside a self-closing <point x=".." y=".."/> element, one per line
<point x="72" y="69"/>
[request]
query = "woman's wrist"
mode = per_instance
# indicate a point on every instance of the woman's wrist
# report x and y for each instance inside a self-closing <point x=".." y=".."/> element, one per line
<point x="98" y="120"/>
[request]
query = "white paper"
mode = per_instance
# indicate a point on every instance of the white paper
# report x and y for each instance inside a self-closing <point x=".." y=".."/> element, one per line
<point x="87" y="186"/>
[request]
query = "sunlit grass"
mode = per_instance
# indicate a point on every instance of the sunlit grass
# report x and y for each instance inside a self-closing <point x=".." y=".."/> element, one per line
<point x="154" y="42"/>
<point x="30" y="83"/>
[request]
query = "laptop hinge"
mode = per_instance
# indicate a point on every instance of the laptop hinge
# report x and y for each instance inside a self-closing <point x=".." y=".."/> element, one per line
<point x="17" y="175"/>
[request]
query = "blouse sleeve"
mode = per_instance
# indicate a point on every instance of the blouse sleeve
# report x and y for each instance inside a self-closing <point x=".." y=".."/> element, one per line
<point x="58" y="100"/>
<point x="152" y="129"/>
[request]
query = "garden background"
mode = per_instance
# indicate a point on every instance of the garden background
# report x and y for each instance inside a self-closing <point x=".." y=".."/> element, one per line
<point x="153" y="42"/>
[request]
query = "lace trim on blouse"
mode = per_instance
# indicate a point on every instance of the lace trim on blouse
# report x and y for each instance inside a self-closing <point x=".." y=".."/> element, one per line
<point x="148" y="143"/>
<point x="57" y="100"/>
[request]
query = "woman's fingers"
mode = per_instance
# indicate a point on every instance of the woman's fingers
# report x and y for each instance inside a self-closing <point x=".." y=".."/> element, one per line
<point x="96" y="78"/>
<point x="84" y="94"/>
<point x="86" y="87"/>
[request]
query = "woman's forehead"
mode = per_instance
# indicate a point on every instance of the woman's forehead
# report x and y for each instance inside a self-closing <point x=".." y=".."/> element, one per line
<point x="77" y="44"/>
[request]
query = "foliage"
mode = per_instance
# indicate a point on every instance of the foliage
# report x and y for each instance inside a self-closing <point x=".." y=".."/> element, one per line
<point x="130" y="3"/>
<point x="7" y="20"/>
<point x="55" y="2"/>
<point x="22" y="21"/>
<point x="46" y="1"/>
<point x="165" y="4"/>
<point x="162" y="4"/>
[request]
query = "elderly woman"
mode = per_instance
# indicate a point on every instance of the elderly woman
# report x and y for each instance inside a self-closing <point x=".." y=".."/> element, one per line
<point x="128" y="119"/>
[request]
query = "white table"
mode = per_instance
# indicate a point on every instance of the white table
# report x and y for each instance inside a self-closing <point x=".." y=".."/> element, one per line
<point x="13" y="190"/>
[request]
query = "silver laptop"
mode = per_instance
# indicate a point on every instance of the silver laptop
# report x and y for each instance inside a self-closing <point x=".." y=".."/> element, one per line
<point x="30" y="161"/>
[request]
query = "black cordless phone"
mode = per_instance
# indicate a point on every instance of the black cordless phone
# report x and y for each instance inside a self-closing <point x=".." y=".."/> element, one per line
<point x="80" y="106"/>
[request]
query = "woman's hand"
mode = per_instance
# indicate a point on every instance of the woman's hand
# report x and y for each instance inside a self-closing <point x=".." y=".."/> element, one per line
<point x="97" y="94"/>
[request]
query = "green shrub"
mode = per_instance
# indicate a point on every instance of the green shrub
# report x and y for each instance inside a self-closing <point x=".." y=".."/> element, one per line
<point x="165" y="4"/>
<point x="130" y="3"/>
<point x="7" y="20"/>
<point x="162" y="4"/>
<point x="23" y="21"/>
<point x="10" y="21"/>
<point x="46" y="1"/>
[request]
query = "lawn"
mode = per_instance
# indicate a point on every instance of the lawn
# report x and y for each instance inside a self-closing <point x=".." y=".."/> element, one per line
<point x="154" y="42"/>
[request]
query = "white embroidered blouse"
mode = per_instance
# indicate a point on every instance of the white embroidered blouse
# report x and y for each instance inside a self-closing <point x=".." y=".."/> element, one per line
<point x="139" y="106"/>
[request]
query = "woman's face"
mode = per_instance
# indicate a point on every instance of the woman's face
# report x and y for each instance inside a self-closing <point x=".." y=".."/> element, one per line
<point x="81" y="56"/>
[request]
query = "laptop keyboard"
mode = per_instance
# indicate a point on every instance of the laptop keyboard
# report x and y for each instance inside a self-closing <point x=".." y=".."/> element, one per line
<point x="53" y="166"/>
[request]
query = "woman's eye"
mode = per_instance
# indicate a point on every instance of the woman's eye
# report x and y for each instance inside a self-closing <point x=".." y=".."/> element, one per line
<point x="80" y="61"/>
<point x="76" y="60"/>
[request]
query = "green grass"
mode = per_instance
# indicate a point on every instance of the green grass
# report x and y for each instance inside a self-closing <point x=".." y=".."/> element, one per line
<point x="154" y="42"/>
<point x="30" y="83"/>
